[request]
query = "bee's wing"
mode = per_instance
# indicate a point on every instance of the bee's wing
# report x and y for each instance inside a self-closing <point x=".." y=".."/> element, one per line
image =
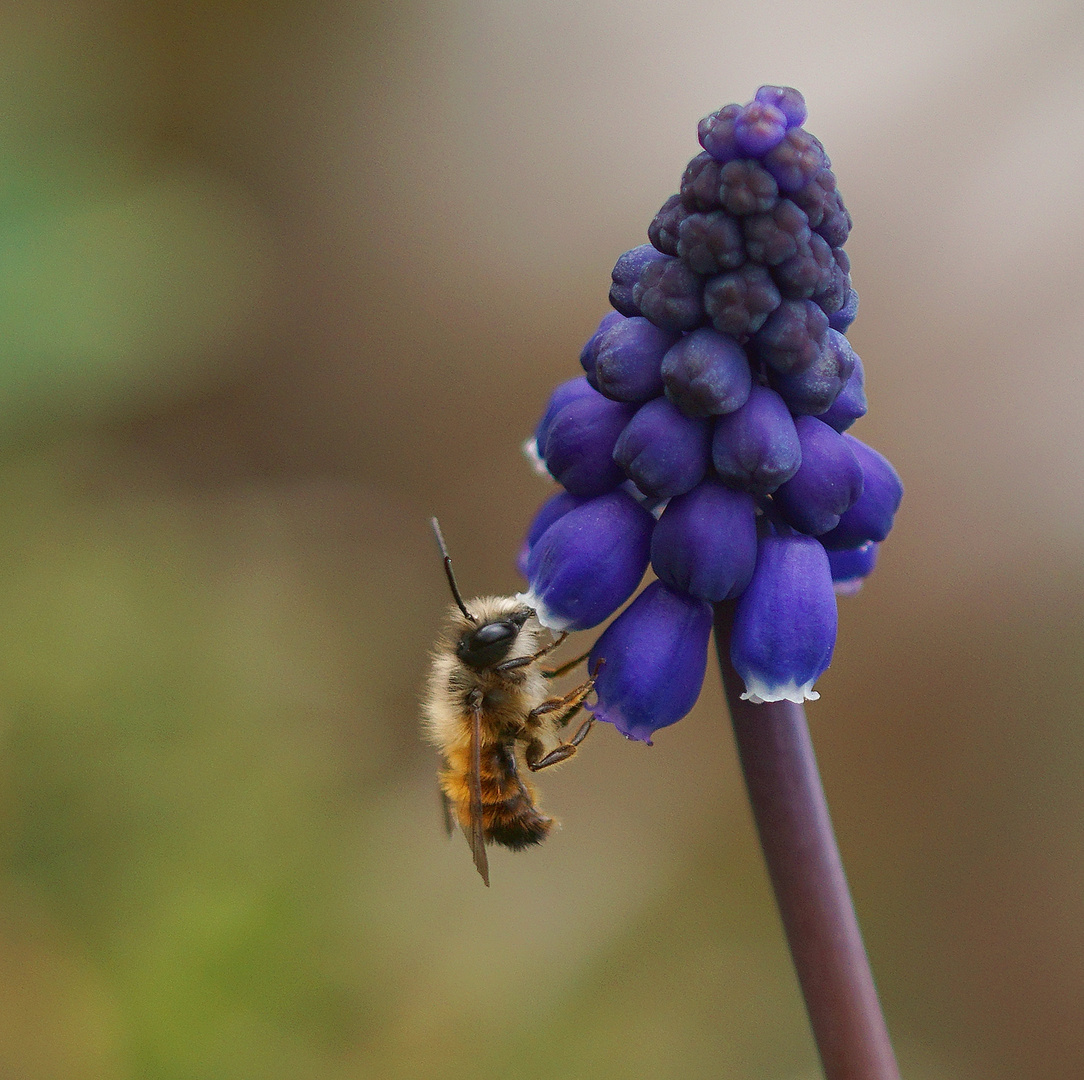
<point x="475" y="831"/>
<point x="448" y="810"/>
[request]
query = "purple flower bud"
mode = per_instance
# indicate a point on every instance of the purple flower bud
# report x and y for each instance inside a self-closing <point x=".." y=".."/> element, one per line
<point x="705" y="543"/>
<point x="700" y="183"/>
<point x="563" y="395"/>
<point x="871" y="516"/>
<point x="663" y="230"/>
<point x="851" y="403"/>
<point x="828" y="481"/>
<point x="710" y="243"/>
<point x="795" y="160"/>
<point x="553" y="508"/>
<point x="756" y="448"/>
<point x="833" y="293"/>
<point x="580" y="441"/>
<point x="811" y="272"/>
<point x="836" y="226"/>
<point x="777" y="235"/>
<point x="716" y="133"/>
<point x="589" y="562"/>
<point x="787" y="100"/>
<point x="759" y="127"/>
<point x="655" y="654"/>
<point x="626" y="273"/>
<point x="851" y="567"/>
<point x="664" y="452"/>
<point x="816" y="197"/>
<point x="813" y="390"/>
<point x="628" y="358"/>
<point x="841" y="320"/>
<point x="589" y="353"/>
<point x="706" y="374"/>
<point x="670" y="294"/>
<point x="785" y="621"/>
<point x="792" y="337"/>
<point x="746" y="187"/>
<point x="738" y="302"/>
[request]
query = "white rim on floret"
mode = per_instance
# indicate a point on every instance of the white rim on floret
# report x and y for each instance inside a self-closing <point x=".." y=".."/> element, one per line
<point x="758" y="692"/>
<point x="530" y="452"/>
<point x="848" y="586"/>
<point x="542" y="613"/>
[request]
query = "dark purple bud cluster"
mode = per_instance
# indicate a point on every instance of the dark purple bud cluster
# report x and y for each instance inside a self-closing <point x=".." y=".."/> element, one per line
<point x="707" y="436"/>
<point x="758" y="221"/>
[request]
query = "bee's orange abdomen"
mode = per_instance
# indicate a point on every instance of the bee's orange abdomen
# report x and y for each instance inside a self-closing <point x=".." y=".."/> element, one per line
<point x="509" y="814"/>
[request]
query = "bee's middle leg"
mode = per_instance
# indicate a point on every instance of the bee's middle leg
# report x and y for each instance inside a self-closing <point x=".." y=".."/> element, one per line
<point x="537" y="759"/>
<point x="566" y="707"/>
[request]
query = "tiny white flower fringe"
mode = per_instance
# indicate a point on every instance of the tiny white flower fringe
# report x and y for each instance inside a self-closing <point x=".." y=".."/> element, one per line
<point x="530" y="452"/>
<point x="542" y="613"/>
<point x="849" y="586"/>
<point x="760" y="693"/>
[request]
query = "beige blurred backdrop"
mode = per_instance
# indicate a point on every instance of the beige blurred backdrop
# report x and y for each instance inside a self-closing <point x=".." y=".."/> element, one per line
<point x="280" y="280"/>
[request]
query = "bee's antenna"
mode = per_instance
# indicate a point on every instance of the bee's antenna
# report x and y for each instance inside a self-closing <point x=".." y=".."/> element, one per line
<point x="448" y="569"/>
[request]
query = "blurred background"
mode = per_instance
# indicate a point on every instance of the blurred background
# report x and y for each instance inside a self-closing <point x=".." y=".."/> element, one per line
<point x="278" y="281"/>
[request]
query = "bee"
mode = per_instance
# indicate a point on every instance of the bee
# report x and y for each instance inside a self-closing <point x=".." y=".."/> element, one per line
<point x="488" y="711"/>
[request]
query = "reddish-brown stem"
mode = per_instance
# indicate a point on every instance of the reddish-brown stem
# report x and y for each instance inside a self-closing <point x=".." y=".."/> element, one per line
<point x="806" y="872"/>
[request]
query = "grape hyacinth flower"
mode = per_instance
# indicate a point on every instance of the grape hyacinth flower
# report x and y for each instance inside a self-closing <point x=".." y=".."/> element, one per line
<point x="725" y="365"/>
<point x="724" y="383"/>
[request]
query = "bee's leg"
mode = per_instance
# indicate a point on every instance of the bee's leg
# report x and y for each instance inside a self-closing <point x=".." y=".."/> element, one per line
<point x="537" y="760"/>
<point x="564" y="669"/>
<point x="566" y="706"/>
<point x="570" y="703"/>
<point x="523" y="661"/>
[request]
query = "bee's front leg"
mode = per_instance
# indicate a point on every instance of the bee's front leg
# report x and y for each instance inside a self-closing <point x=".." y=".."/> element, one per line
<point x="524" y="661"/>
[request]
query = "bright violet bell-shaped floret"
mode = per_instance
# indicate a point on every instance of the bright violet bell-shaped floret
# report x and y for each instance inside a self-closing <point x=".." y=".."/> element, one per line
<point x="553" y="508"/>
<point x="563" y="395"/>
<point x="828" y="481"/>
<point x="871" y="516"/>
<point x="706" y="374"/>
<point x="589" y="562"/>
<point x="580" y="441"/>
<point x="756" y="448"/>
<point x="705" y="543"/>
<point x="785" y="623"/>
<point x="651" y="661"/>
<point x="663" y="451"/>
<point x="627" y="359"/>
<point x="850" y="405"/>
<point x="851" y="567"/>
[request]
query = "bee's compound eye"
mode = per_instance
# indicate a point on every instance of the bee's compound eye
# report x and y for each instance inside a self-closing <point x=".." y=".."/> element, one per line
<point x="488" y="644"/>
<point x="493" y="632"/>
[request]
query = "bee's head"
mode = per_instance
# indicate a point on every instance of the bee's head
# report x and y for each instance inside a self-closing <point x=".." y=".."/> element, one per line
<point x="487" y="645"/>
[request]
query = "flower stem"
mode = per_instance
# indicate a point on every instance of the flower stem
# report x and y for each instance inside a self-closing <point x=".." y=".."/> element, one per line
<point x="806" y="872"/>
